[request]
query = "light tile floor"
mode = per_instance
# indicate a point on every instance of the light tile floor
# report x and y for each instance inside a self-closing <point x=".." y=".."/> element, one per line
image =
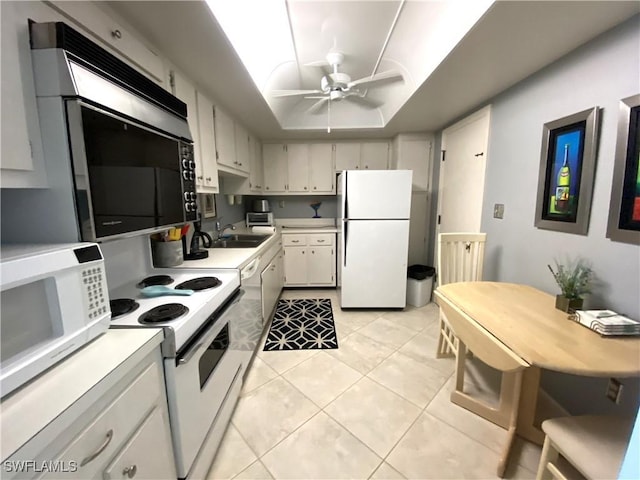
<point x="377" y="407"/>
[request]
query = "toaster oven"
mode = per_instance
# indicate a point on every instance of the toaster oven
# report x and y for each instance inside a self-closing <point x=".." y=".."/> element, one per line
<point x="259" y="218"/>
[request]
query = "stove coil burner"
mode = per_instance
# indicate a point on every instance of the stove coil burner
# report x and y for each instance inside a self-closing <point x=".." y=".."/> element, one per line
<point x="121" y="306"/>
<point x="163" y="313"/>
<point x="155" y="280"/>
<point x="200" y="283"/>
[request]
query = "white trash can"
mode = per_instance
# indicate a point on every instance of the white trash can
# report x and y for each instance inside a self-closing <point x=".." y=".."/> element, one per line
<point x="419" y="289"/>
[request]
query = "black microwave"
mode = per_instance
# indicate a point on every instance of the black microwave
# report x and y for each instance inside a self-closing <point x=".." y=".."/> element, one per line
<point x="128" y="177"/>
<point x="124" y="139"/>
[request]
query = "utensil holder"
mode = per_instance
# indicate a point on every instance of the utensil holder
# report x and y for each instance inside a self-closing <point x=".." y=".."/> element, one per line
<point x="167" y="254"/>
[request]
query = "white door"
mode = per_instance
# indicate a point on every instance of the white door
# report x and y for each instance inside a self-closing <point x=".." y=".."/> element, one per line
<point x="374" y="264"/>
<point x="378" y="194"/>
<point x="462" y="173"/>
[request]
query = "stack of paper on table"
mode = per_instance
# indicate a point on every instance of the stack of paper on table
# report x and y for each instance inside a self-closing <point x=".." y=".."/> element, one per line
<point x="607" y="322"/>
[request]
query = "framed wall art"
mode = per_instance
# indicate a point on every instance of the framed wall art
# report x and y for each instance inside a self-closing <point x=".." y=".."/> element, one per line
<point x="207" y="204"/>
<point x="624" y="209"/>
<point x="567" y="166"/>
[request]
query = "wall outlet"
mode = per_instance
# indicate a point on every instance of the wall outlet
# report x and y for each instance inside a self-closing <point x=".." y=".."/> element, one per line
<point x="498" y="210"/>
<point x="614" y="390"/>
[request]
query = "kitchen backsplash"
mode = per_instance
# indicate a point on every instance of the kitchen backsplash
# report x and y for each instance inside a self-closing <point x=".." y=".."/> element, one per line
<point x="297" y="207"/>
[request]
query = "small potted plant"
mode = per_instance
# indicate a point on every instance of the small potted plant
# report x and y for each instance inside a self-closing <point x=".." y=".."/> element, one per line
<point x="574" y="282"/>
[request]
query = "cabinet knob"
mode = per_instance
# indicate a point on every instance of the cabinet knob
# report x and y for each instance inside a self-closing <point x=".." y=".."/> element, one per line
<point x="199" y="177"/>
<point x="305" y="188"/>
<point x="315" y="188"/>
<point x="267" y="188"/>
<point x="208" y="179"/>
<point x="366" y="166"/>
<point x="116" y="34"/>
<point x="130" y="471"/>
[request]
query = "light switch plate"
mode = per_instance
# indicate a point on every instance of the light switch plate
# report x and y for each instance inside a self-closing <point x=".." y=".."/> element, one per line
<point x="498" y="210"/>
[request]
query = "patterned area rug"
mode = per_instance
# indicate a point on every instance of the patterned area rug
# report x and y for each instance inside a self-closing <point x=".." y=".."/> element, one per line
<point x="302" y="324"/>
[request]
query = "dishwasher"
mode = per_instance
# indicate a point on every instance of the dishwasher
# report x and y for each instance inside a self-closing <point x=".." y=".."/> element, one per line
<point x="262" y="280"/>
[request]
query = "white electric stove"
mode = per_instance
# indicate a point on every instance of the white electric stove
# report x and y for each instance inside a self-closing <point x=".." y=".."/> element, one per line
<point x="181" y="316"/>
<point x="202" y="365"/>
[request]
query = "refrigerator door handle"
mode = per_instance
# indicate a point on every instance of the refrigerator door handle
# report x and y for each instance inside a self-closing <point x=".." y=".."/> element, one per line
<point x="345" y="228"/>
<point x="345" y="196"/>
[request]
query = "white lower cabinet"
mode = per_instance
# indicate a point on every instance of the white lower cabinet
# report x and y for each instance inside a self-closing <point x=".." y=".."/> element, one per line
<point x="272" y="280"/>
<point x="123" y="434"/>
<point x="309" y="259"/>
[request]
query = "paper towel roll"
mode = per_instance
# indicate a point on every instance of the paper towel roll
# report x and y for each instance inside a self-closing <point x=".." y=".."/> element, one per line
<point x="258" y="229"/>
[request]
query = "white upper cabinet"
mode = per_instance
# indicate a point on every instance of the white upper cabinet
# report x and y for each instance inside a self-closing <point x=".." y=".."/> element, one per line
<point x="22" y="154"/>
<point x="242" y="160"/>
<point x="225" y="139"/>
<point x="185" y="91"/>
<point x="374" y="155"/>
<point x="256" y="176"/>
<point x="298" y="168"/>
<point x="274" y="157"/>
<point x="102" y="27"/>
<point x="321" y="171"/>
<point x="347" y="156"/>
<point x="414" y="152"/>
<point x="362" y="155"/>
<point x="206" y="164"/>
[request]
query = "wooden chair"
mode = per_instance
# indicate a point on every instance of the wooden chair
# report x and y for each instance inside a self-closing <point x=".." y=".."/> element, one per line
<point x="594" y="444"/>
<point x="460" y="259"/>
<point x="495" y="354"/>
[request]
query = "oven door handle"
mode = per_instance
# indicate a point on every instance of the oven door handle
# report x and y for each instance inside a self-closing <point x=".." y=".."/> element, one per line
<point x="207" y="337"/>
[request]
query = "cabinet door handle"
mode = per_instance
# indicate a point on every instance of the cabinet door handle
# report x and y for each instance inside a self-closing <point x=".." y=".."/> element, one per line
<point x="295" y="241"/>
<point x="208" y="179"/>
<point x="100" y="449"/>
<point x="130" y="471"/>
<point x="116" y="34"/>
<point x="320" y="241"/>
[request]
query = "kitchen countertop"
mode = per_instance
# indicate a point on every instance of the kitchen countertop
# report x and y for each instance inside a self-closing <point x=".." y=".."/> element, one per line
<point x="240" y="257"/>
<point x="28" y="410"/>
<point x="231" y="257"/>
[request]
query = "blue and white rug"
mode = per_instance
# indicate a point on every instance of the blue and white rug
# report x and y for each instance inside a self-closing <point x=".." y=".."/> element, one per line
<point x="302" y="324"/>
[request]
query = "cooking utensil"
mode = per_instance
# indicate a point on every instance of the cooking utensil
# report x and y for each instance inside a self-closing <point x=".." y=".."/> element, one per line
<point x="160" y="290"/>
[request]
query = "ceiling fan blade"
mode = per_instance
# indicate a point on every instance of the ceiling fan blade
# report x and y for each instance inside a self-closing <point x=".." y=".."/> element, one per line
<point x="318" y="63"/>
<point x="317" y="107"/>
<point x="364" y="101"/>
<point x="293" y="93"/>
<point x="377" y="80"/>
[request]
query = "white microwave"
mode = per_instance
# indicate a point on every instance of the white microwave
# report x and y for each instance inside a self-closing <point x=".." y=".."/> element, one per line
<point x="54" y="299"/>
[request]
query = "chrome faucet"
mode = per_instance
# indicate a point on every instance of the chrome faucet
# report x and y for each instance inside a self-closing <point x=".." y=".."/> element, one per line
<point x="220" y="230"/>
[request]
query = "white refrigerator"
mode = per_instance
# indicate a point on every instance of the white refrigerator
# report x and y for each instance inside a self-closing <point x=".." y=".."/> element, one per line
<point x="373" y="228"/>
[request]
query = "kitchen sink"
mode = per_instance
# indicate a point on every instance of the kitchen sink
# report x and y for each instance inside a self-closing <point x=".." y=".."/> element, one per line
<point x="245" y="237"/>
<point x="239" y="241"/>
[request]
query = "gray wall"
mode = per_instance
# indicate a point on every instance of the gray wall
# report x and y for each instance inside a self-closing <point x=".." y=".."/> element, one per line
<point x="598" y="74"/>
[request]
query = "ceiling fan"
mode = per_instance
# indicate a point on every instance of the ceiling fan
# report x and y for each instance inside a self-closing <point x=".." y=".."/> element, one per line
<point x="338" y="86"/>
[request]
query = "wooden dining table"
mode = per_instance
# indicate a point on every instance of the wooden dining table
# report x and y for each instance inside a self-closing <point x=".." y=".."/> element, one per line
<point x="525" y="320"/>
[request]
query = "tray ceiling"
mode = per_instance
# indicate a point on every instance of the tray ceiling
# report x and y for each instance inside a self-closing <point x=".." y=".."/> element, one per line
<point x="453" y="56"/>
